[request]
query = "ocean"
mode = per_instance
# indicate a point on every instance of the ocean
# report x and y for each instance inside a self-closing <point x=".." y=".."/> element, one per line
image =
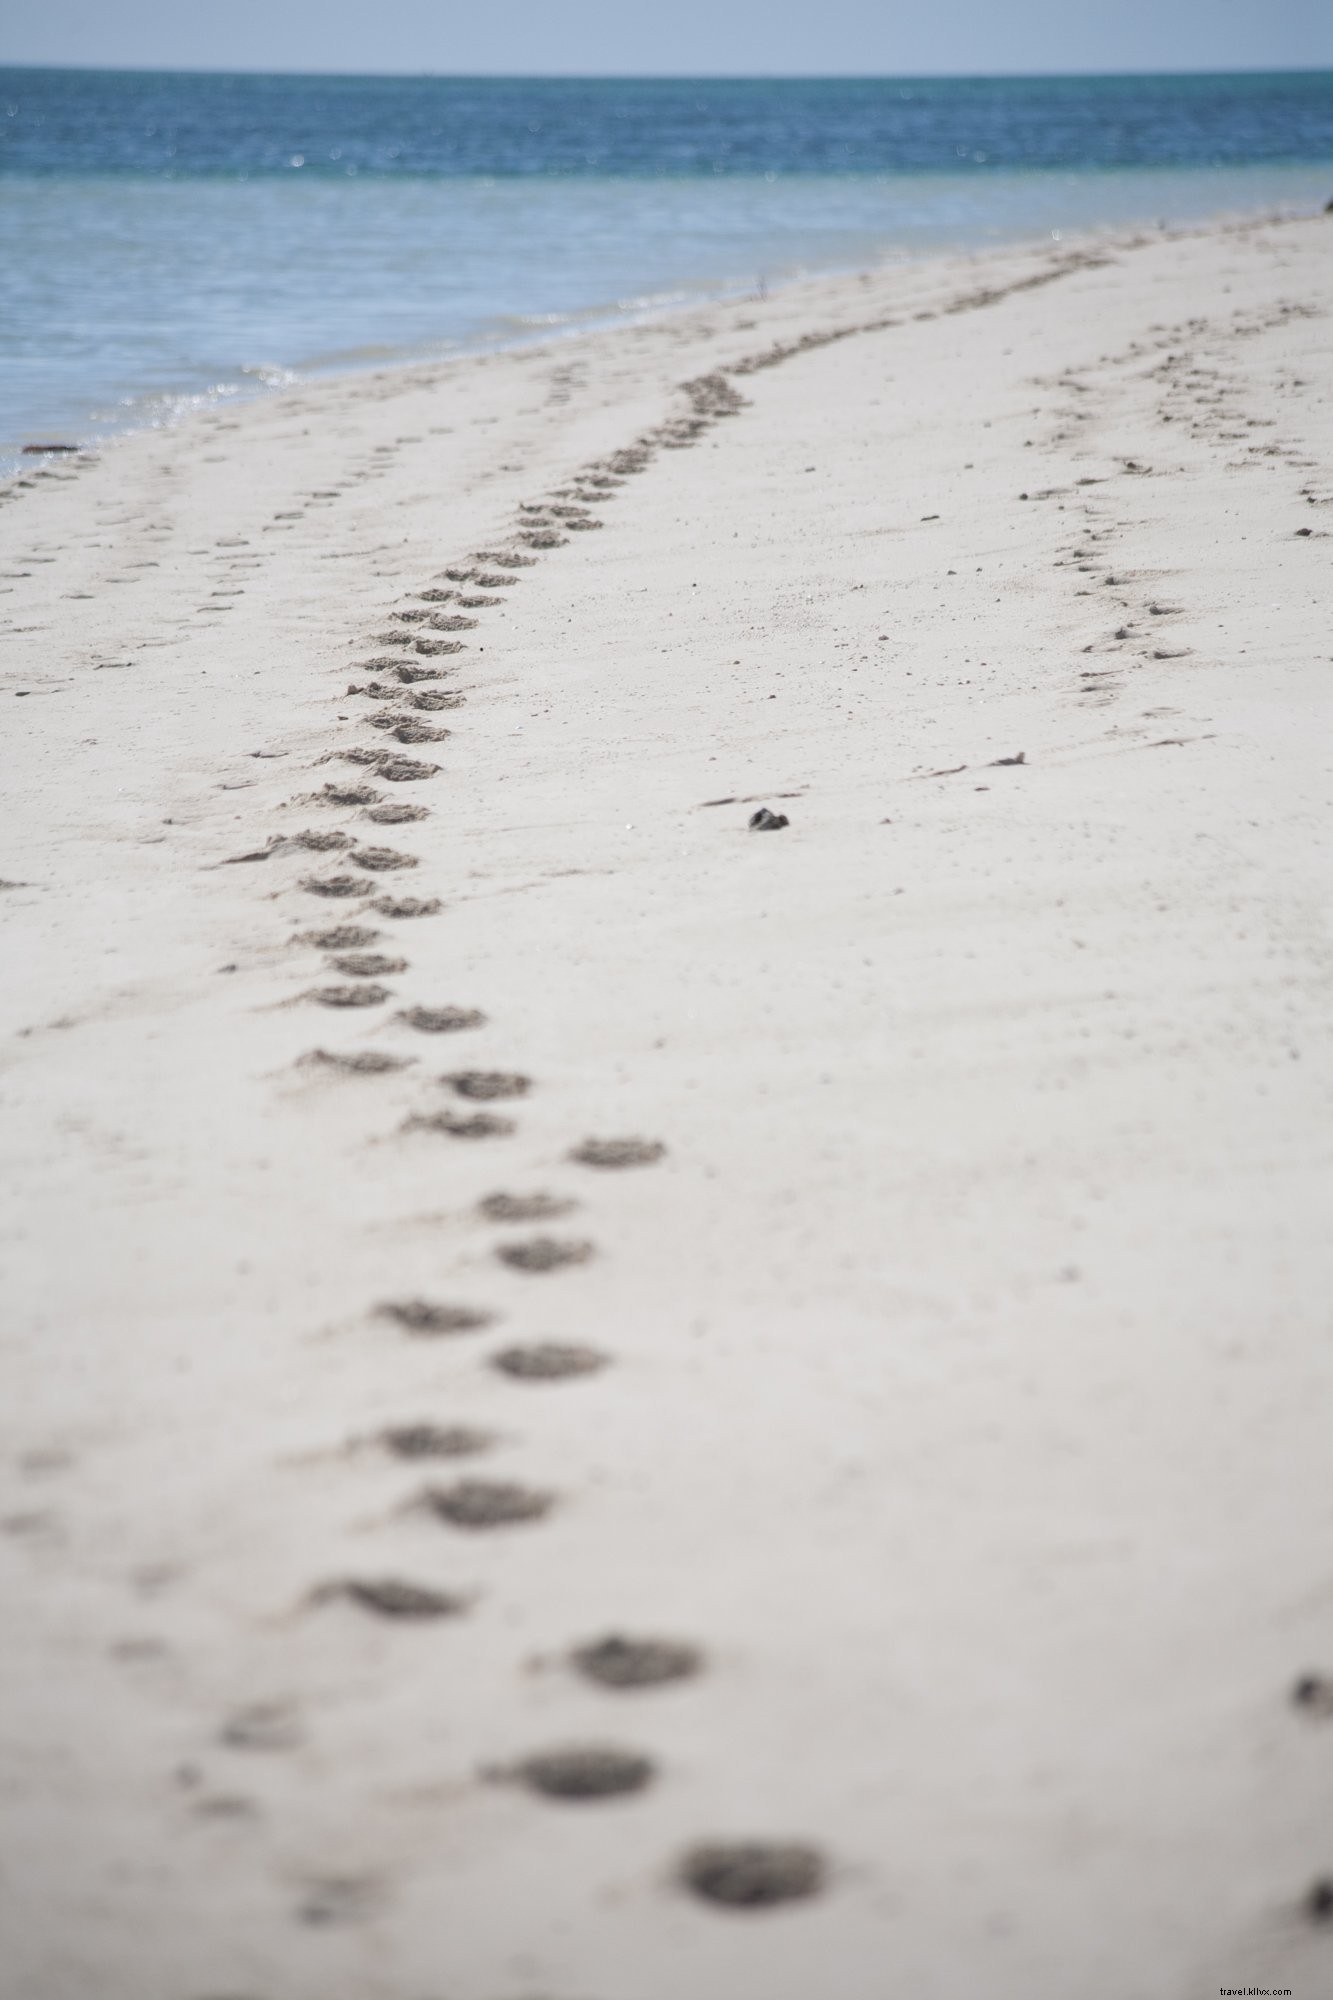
<point x="167" y="240"/>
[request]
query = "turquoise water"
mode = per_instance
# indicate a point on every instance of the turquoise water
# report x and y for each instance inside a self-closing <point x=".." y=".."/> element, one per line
<point x="166" y="240"/>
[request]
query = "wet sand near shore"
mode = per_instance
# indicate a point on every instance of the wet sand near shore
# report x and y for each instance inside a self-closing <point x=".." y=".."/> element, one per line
<point x="667" y="1155"/>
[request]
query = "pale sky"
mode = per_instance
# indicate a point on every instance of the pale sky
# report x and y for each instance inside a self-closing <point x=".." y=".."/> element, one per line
<point x="672" y="37"/>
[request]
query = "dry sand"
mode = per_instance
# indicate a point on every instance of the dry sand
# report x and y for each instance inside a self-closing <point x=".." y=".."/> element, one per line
<point x="967" y="1387"/>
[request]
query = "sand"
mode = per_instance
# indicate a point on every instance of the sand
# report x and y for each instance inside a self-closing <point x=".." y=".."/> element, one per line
<point x="933" y="1402"/>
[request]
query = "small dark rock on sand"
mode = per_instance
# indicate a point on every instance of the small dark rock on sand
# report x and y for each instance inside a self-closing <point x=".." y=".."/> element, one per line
<point x="435" y="1440"/>
<point x="543" y="1253"/>
<point x="614" y="1153"/>
<point x="588" y="1771"/>
<point x="1314" y="1694"/>
<point x="752" y="1874"/>
<point x="425" y="1316"/>
<point x="617" y="1662"/>
<point x="765" y="821"/>
<point x="488" y="1503"/>
<point x="548" y="1361"/>
<point x="441" y="1020"/>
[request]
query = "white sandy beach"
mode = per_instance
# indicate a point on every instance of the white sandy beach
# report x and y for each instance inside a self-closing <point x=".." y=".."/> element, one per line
<point x="967" y="1389"/>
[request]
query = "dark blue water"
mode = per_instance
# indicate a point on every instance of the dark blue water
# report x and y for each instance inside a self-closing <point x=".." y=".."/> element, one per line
<point x="166" y="239"/>
<point x="98" y="122"/>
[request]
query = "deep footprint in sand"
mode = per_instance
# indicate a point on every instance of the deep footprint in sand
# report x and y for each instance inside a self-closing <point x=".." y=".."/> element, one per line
<point x="583" y="1772"/>
<point x="544" y="1253"/>
<point x="488" y="1084"/>
<point x="616" y="1153"/>
<point x="390" y="1597"/>
<point x="380" y="860"/>
<point x="368" y="965"/>
<point x="617" y="1662"/>
<point x="407" y="906"/>
<point x="263" y="1725"/>
<point x="441" y="1020"/>
<point x="369" y="995"/>
<point x="427" y="1316"/>
<point x="333" y="885"/>
<point x="488" y="1503"/>
<point x="349" y="795"/>
<point x="414" y="1441"/>
<point x="549" y="1361"/>
<point x="479" y="1125"/>
<point x="342" y="937"/>
<point x="752" y="1874"/>
<point x="404" y="770"/>
<point x="397" y="815"/>
<point x="536" y="1207"/>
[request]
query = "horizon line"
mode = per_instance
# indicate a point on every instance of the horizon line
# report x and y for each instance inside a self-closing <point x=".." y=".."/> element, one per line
<point x="662" y="76"/>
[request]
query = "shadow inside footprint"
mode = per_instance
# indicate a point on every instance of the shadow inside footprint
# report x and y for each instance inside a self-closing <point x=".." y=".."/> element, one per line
<point x="441" y="1020"/>
<point x="389" y="1597"/>
<point x="617" y="1662"/>
<point x="525" y="1207"/>
<point x="435" y="1440"/>
<point x="480" y="1125"/>
<point x="488" y="1503"/>
<point x="487" y="1083"/>
<point x="543" y="1253"/>
<point x="427" y="1317"/>
<point x="614" y="1153"/>
<point x="584" y="1771"/>
<point x="365" y="1062"/>
<point x="548" y="1361"/>
<point x="262" y="1725"/>
<point x="369" y="995"/>
<point x="753" y="1874"/>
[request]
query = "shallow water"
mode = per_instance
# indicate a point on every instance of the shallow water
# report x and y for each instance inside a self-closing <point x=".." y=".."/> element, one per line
<point x="166" y="240"/>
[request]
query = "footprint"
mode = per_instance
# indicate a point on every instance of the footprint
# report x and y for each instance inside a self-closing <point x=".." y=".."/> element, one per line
<point x="525" y="1207"/>
<point x="366" y="1062"/>
<point x="397" y="815"/>
<point x="263" y="1725"/>
<point x="424" y="1316"/>
<point x="407" y="906"/>
<point x="406" y="728"/>
<point x="342" y="937"/>
<point x="321" y="843"/>
<point x="544" y="538"/>
<point x="349" y="795"/>
<point x="381" y="859"/>
<point x="618" y="1152"/>
<point x="543" y="1253"/>
<point x="585" y="1771"/>
<point x="487" y="1084"/>
<point x="435" y="699"/>
<point x="435" y="1440"/>
<point x="488" y="1503"/>
<point x="753" y="1874"/>
<point x="481" y="1125"/>
<point x="368" y="964"/>
<point x="433" y="648"/>
<point x="403" y="770"/>
<point x="392" y="1598"/>
<point x="616" y="1662"/>
<point x="350" y="996"/>
<point x="441" y="1020"/>
<point x="333" y="885"/>
<point x="548" y="1361"/>
<point x="409" y="676"/>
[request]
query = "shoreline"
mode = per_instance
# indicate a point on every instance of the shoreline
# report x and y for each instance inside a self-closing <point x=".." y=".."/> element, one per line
<point x="156" y="410"/>
<point x="951" y="1384"/>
